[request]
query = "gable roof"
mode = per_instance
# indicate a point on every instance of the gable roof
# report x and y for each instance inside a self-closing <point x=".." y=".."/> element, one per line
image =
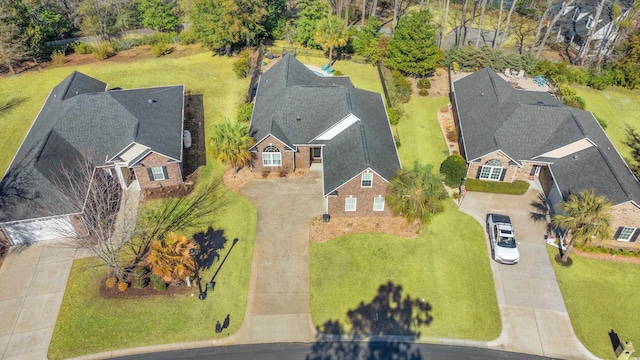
<point x="296" y="106"/>
<point x="526" y="125"/>
<point x="82" y="121"/>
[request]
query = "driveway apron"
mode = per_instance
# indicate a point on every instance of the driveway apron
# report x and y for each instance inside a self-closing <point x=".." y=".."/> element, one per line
<point x="534" y="317"/>
<point x="278" y="303"/>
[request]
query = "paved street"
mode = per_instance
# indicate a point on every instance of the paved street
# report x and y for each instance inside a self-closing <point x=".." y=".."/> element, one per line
<point x="534" y="317"/>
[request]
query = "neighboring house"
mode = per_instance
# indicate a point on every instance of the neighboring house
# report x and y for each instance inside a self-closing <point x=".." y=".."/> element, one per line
<point x="508" y="134"/>
<point x="579" y="18"/>
<point x="300" y="118"/>
<point x="131" y="134"/>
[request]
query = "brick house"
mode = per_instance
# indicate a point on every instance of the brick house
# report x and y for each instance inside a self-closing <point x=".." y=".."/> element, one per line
<point x="508" y="134"/>
<point x="134" y="135"/>
<point x="300" y="119"/>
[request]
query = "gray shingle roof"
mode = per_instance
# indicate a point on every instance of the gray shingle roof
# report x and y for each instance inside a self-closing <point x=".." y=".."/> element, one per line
<point x="296" y="106"/>
<point x="524" y="125"/>
<point x="80" y="119"/>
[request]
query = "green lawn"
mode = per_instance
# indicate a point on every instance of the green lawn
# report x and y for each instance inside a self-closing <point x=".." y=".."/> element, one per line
<point x="618" y="107"/>
<point x="600" y="296"/>
<point x="88" y="323"/>
<point x="447" y="264"/>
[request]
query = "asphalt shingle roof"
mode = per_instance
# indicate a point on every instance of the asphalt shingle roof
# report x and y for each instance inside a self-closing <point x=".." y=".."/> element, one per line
<point x="81" y="119"/>
<point x="296" y="106"/>
<point x="525" y="125"/>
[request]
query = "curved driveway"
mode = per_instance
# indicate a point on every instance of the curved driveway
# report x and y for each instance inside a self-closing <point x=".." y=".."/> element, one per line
<point x="534" y="317"/>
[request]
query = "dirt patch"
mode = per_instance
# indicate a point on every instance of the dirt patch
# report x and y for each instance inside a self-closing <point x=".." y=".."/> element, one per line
<point x="195" y="156"/>
<point x="449" y="129"/>
<point x="320" y="231"/>
<point x="234" y="181"/>
<point x="439" y="83"/>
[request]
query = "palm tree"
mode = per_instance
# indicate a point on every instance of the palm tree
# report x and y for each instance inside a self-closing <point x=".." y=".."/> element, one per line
<point x="584" y="216"/>
<point x="416" y="194"/>
<point x="170" y="259"/>
<point x="330" y="32"/>
<point x="230" y="143"/>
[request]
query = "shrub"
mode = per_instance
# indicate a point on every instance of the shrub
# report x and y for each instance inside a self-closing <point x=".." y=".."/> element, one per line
<point x="244" y="112"/>
<point x="188" y="37"/>
<point x="124" y="44"/>
<point x="111" y="282"/>
<point x="140" y="271"/>
<point x="424" y="83"/>
<point x="575" y="101"/>
<point x="265" y="173"/>
<point x="337" y="73"/>
<point x="397" y="140"/>
<point x="602" y="122"/>
<point x="452" y="134"/>
<point x="401" y="87"/>
<point x="140" y="283"/>
<point x="566" y="91"/>
<point x="283" y="172"/>
<point x="158" y="283"/>
<point x="161" y="49"/>
<point x="81" y="48"/>
<point x="241" y="66"/>
<point x="58" y="57"/>
<point x="423" y="92"/>
<point x="122" y="286"/>
<point x="455" y="67"/>
<point x="517" y="187"/>
<point x="394" y="115"/>
<point x="454" y="170"/>
<point x="103" y="51"/>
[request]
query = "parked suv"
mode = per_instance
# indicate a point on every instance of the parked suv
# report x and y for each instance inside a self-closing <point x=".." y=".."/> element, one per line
<point x="502" y="237"/>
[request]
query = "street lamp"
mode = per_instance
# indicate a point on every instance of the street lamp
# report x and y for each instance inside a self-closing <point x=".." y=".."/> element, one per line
<point x="203" y="295"/>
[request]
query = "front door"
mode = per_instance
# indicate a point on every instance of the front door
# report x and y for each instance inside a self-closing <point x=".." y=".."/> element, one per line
<point x="316" y="155"/>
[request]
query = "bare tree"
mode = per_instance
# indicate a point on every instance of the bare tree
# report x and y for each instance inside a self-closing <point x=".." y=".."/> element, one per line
<point x="463" y="24"/>
<point x="543" y="17"/>
<point x="551" y="24"/>
<point x="584" y="51"/>
<point x="495" y="36"/>
<point x="479" y="35"/>
<point x="364" y="12"/>
<point x="12" y="43"/>
<point x="507" y="22"/>
<point x="522" y="30"/>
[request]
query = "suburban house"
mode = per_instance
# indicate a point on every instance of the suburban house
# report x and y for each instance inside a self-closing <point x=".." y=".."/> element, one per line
<point x="301" y="118"/>
<point x="579" y="18"/>
<point x="135" y="135"/>
<point x="508" y="134"/>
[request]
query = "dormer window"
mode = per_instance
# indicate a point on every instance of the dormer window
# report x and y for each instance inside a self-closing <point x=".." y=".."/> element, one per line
<point x="590" y="22"/>
<point x="576" y="14"/>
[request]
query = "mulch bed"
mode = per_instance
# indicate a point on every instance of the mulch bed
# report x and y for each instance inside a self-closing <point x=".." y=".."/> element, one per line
<point x="234" y="181"/>
<point x="167" y="191"/>
<point x="131" y="292"/>
<point x="320" y="231"/>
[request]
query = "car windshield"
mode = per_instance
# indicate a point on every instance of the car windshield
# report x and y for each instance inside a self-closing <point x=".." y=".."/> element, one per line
<point x="507" y="242"/>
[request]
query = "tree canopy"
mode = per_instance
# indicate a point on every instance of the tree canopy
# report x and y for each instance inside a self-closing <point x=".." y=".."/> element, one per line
<point x="157" y="15"/>
<point x="230" y="143"/>
<point x="311" y="11"/>
<point x="413" y="49"/>
<point x="366" y="41"/>
<point x="330" y="32"/>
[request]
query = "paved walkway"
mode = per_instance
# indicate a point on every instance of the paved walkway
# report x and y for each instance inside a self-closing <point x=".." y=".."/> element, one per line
<point x="278" y="303"/>
<point x="534" y="317"/>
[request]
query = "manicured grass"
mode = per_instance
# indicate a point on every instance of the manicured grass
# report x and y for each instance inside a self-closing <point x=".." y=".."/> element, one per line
<point x="88" y="323"/>
<point x="618" y="107"/>
<point x="600" y="295"/>
<point x="447" y="265"/>
<point x="517" y="187"/>
<point x="420" y="134"/>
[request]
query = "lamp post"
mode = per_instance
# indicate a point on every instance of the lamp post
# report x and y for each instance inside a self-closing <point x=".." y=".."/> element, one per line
<point x="202" y="295"/>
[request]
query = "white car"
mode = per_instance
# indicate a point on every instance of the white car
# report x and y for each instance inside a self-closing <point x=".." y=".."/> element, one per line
<point x="502" y="237"/>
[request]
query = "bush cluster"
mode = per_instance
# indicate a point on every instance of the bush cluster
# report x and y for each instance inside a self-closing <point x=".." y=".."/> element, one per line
<point x="394" y="114"/>
<point x="158" y="283"/>
<point x="454" y="170"/>
<point x="468" y="58"/>
<point x="58" y="57"/>
<point x="241" y="66"/>
<point x="161" y="49"/>
<point x="244" y="112"/>
<point x="103" y="50"/>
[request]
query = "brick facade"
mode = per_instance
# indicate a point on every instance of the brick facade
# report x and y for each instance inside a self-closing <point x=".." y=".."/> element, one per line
<point x="78" y="225"/>
<point x="286" y="156"/>
<point x="173" y="171"/>
<point x="364" y="198"/>
<point x="303" y="157"/>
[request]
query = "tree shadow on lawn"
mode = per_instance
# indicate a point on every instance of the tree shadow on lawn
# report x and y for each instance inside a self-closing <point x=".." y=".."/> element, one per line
<point x="381" y="329"/>
<point x="210" y="244"/>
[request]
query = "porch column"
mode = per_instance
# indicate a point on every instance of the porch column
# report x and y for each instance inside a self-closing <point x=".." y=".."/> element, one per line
<point x="120" y="176"/>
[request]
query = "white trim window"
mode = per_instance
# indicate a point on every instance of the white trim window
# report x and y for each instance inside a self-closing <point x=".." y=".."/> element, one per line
<point x="367" y="180"/>
<point x="626" y="233"/>
<point x="271" y="156"/>
<point x="491" y="170"/>
<point x="378" y="203"/>
<point x="590" y="22"/>
<point x="350" y="203"/>
<point x="158" y="173"/>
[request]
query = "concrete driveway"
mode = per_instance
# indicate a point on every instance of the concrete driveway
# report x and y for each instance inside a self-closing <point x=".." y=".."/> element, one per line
<point x="278" y="303"/>
<point x="32" y="284"/>
<point x="534" y="317"/>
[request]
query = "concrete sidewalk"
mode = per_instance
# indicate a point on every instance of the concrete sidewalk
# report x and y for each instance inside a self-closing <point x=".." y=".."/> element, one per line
<point x="534" y="317"/>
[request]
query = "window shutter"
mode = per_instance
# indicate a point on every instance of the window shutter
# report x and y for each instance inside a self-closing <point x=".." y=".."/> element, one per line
<point x="504" y="171"/>
<point x="150" y="172"/>
<point x="479" y="171"/>
<point x="615" y="237"/>
<point x="166" y="174"/>
<point x="635" y="235"/>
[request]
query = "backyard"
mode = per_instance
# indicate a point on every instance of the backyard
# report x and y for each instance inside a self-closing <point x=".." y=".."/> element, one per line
<point x="89" y="322"/>
<point x="600" y="296"/>
<point x="459" y="287"/>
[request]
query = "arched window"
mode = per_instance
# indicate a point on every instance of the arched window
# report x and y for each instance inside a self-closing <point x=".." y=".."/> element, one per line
<point x="491" y="170"/>
<point x="271" y="156"/>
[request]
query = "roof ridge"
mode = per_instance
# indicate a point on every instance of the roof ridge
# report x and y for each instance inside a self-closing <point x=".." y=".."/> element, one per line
<point x="364" y="146"/>
<point x="68" y="85"/>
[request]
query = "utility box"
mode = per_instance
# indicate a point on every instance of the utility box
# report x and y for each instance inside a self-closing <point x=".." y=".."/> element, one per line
<point x="624" y="350"/>
<point x="326" y="218"/>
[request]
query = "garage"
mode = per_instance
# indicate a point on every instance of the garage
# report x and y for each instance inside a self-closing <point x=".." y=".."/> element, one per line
<point x="26" y="232"/>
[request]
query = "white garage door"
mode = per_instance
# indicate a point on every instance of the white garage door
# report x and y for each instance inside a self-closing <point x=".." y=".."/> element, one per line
<point x="37" y="230"/>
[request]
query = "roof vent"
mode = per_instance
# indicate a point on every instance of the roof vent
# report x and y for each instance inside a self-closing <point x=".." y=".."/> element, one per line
<point x="152" y="101"/>
<point x="575" y="157"/>
<point x="540" y="103"/>
<point x="298" y="118"/>
<point x="481" y="94"/>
